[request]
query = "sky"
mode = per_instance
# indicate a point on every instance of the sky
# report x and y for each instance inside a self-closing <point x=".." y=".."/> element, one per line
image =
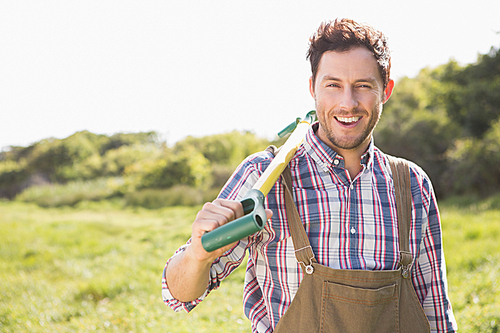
<point x="199" y="67"/>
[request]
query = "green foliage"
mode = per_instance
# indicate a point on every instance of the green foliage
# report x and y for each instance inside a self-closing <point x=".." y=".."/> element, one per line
<point x="471" y="94"/>
<point x="9" y="166"/>
<point x="414" y="128"/>
<point x="87" y="166"/>
<point x="225" y="149"/>
<point x="69" y="194"/>
<point x="188" y="167"/>
<point x="56" y="158"/>
<point x="445" y="120"/>
<point x="152" y="198"/>
<point x="475" y="163"/>
<point x="12" y="176"/>
<point x="128" y="139"/>
<point x="81" y="156"/>
<point x="115" y="161"/>
<point x="220" y="175"/>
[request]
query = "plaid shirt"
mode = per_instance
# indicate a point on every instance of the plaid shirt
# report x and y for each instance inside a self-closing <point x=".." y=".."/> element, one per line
<point x="351" y="224"/>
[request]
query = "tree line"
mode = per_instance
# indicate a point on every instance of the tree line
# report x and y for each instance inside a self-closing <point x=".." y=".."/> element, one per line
<point x="446" y="119"/>
<point x="124" y="164"/>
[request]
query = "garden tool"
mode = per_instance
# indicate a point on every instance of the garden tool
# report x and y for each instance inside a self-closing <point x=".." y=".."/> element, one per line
<point x="254" y="217"/>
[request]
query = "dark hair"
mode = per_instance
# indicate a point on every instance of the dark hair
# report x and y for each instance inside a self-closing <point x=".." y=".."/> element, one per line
<point x="343" y="35"/>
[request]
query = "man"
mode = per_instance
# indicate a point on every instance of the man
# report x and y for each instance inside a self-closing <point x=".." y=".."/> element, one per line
<point x="343" y="189"/>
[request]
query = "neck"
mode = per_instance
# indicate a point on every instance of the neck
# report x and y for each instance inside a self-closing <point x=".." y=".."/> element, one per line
<point x="352" y="158"/>
<point x="352" y="164"/>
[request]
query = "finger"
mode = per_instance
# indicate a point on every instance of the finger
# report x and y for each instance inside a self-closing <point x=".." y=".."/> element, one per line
<point x="235" y="206"/>
<point x="207" y="221"/>
<point x="214" y="215"/>
<point x="222" y="211"/>
<point x="218" y="213"/>
<point x="203" y="225"/>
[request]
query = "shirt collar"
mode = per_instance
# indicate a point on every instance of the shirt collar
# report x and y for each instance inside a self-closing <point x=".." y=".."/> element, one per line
<point x="325" y="156"/>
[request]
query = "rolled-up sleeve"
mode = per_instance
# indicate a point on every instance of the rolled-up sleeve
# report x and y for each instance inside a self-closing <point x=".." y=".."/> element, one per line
<point x="220" y="269"/>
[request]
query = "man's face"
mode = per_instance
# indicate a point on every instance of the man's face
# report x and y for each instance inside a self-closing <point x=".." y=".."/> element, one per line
<point x="349" y="95"/>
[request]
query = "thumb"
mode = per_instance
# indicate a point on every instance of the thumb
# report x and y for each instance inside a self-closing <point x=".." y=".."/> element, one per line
<point x="269" y="213"/>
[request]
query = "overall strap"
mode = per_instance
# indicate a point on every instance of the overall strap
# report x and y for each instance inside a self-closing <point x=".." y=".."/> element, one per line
<point x="303" y="249"/>
<point x="402" y="186"/>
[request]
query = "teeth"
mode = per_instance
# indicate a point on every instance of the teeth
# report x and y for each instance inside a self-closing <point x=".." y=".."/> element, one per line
<point x="348" y="120"/>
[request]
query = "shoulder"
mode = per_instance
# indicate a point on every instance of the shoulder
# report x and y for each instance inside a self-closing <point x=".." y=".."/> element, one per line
<point x="383" y="160"/>
<point x="421" y="183"/>
<point x="257" y="161"/>
<point x="246" y="175"/>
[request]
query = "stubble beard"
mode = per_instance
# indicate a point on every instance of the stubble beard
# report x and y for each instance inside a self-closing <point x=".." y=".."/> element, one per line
<point x="356" y="142"/>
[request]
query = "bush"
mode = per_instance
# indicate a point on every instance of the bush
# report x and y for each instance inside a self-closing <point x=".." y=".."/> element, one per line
<point x="188" y="167"/>
<point x="226" y="149"/>
<point x="56" y="195"/>
<point x="473" y="164"/>
<point x="220" y="175"/>
<point x="56" y="158"/>
<point x="179" y="195"/>
<point x="115" y="161"/>
<point x="13" y="178"/>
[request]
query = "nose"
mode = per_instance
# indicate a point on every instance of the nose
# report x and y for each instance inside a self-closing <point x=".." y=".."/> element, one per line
<point x="348" y="100"/>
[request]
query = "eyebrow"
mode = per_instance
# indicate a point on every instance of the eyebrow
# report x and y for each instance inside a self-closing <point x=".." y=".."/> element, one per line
<point x="333" y="78"/>
<point x="329" y="78"/>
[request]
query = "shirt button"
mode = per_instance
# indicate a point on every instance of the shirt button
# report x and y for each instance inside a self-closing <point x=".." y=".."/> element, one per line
<point x="352" y="187"/>
<point x="336" y="162"/>
<point x="353" y="231"/>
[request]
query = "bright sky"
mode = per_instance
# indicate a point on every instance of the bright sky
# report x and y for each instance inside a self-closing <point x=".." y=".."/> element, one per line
<point x="198" y="67"/>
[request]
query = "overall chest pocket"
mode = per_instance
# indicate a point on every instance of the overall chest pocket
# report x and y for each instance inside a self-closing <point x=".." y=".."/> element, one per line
<point x="352" y="309"/>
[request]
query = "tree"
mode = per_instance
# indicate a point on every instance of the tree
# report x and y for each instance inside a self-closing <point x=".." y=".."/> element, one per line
<point x="188" y="167"/>
<point x="411" y="126"/>
<point x="473" y="164"/>
<point x="470" y="94"/>
<point x="224" y="149"/>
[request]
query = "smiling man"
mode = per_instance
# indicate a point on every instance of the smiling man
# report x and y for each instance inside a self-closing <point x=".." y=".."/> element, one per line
<point x="349" y="93"/>
<point x="338" y="253"/>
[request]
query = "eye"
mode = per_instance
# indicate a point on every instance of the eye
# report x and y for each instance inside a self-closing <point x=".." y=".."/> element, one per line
<point x="333" y="85"/>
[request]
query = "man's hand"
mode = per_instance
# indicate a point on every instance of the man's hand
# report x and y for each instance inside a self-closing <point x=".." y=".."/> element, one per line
<point x="188" y="273"/>
<point x="213" y="215"/>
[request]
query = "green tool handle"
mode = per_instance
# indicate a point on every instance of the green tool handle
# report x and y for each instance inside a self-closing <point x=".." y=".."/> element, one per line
<point x="254" y="220"/>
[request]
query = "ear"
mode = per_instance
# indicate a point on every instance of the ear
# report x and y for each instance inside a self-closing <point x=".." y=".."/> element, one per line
<point x="311" y="87"/>
<point x="388" y="90"/>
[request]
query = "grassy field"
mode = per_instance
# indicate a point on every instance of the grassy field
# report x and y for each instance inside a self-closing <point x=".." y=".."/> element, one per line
<point x="97" y="267"/>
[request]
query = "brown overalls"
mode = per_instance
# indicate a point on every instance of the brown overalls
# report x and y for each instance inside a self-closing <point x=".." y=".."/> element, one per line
<point x="338" y="300"/>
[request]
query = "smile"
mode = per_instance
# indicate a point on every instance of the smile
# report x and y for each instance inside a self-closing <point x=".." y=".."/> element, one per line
<point x="347" y="120"/>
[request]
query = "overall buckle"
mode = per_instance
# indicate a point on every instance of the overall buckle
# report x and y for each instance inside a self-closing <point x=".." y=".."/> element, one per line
<point x="309" y="268"/>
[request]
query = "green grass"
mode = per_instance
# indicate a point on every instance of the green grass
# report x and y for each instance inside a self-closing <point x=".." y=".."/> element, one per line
<point x="472" y="248"/>
<point x="97" y="267"/>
